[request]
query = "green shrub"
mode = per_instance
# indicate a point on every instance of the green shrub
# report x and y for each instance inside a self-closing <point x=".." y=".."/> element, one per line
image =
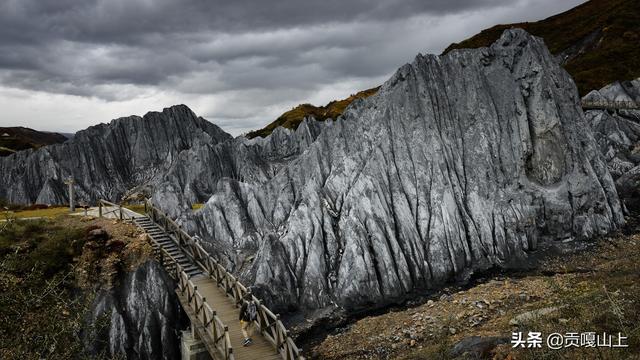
<point x="41" y="245"/>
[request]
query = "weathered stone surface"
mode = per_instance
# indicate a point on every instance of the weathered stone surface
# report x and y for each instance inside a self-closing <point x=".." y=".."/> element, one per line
<point x="618" y="136"/>
<point x="106" y="160"/>
<point x="460" y="162"/>
<point x="138" y="319"/>
<point x="533" y="315"/>
<point x="477" y="347"/>
<point x="197" y="172"/>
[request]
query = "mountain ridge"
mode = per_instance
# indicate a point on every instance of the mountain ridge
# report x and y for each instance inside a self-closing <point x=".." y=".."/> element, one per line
<point x="572" y="36"/>
<point x="106" y="160"/>
<point x="458" y="163"/>
<point x="596" y="42"/>
<point x="17" y="138"/>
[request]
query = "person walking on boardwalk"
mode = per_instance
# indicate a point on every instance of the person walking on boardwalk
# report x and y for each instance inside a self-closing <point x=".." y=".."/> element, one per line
<point x="248" y="314"/>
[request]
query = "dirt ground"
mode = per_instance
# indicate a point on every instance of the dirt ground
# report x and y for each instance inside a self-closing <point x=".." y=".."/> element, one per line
<point x="125" y="248"/>
<point x="595" y="290"/>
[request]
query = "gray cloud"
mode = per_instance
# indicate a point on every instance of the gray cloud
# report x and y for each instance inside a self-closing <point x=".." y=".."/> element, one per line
<point x="248" y="59"/>
<point x="128" y="20"/>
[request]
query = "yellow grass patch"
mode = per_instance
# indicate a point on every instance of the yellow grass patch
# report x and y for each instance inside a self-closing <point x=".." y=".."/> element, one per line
<point x="197" y="206"/>
<point x="139" y="208"/>
<point x="49" y="212"/>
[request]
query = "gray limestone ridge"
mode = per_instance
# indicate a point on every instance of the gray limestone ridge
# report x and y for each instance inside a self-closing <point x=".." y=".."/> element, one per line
<point x="106" y="160"/>
<point x="459" y="163"/>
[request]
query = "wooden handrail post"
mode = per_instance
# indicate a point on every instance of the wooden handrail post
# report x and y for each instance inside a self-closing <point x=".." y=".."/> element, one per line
<point x="99" y="208"/>
<point x="277" y="332"/>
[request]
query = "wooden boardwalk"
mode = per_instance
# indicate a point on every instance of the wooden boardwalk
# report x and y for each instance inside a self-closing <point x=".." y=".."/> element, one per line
<point x="228" y="313"/>
<point x="211" y="296"/>
<point x="162" y="240"/>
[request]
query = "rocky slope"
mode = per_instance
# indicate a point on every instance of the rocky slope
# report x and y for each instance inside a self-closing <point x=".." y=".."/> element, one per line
<point x="143" y="314"/>
<point x="459" y="163"/>
<point x="106" y="160"/>
<point x="585" y="41"/>
<point x="618" y="136"/>
<point x="134" y="311"/>
<point x="591" y="289"/>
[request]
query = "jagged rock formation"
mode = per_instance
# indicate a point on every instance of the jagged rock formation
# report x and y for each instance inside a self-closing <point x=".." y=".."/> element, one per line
<point x="106" y="160"/>
<point x="459" y="162"/>
<point x="618" y="136"/>
<point x="139" y="319"/>
<point x="198" y="170"/>
<point x="584" y="39"/>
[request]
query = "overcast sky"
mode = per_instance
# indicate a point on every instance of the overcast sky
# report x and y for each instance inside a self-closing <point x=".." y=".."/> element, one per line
<point x="69" y="64"/>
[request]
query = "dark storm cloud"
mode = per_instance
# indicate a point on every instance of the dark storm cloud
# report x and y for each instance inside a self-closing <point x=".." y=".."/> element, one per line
<point x="71" y="46"/>
<point x="115" y="20"/>
<point x="67" y="64"/>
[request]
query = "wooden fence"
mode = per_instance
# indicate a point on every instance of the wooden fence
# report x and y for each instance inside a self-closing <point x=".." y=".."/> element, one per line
<point x="269" y="323"/>
<point x="213" y="325"/>
<point x="105" y="208"/>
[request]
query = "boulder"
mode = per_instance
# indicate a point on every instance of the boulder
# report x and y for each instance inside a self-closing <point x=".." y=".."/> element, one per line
<point x="477" y="347"/>
<point x="99" y="235"/>
<point x="533" y="315"/>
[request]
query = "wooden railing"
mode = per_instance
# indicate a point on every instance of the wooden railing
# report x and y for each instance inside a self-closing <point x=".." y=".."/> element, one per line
<point x="269" y="323"/>
<point x="213" y="325"/>
<point x="116" y="209"/>
<point x="610" y="105"/>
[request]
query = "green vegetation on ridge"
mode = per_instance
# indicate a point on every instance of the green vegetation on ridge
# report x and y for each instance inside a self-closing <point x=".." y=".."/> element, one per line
<point x="292" y="118"/>
<point x="14" y="139"/>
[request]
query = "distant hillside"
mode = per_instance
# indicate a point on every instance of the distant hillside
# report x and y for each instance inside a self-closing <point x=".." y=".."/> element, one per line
<point x="292" y="118"/>
<point x="598" y="41"/>
<point x="14" y="139"/>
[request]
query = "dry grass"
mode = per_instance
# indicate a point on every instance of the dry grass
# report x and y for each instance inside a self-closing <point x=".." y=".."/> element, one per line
<point x="139" y="208"/>
<point x="51" y="212"/>
<point x="5" y="151"/>
<point x="597" y="290"/>
<point x="197" y="206"/>
<point x="292" y="118"/>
